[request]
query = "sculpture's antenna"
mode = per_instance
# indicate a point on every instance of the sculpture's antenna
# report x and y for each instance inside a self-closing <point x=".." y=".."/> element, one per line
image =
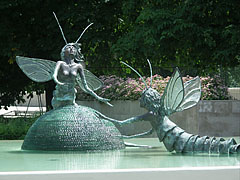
<point x="150" y="66"/>
<point x="136" y="73"/>
<point x="60" y="27"/>
<point x="83" y="32"/>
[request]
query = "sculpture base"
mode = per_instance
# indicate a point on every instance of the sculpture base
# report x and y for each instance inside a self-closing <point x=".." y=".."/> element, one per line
<point x="74" y="128"/>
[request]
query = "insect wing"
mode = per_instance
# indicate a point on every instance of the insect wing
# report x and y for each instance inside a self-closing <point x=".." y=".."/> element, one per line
<point x="38" y="70"/>
<point x="173" y="93"/>
<point x="192" y="94"/>
<point x="93" y="82"/>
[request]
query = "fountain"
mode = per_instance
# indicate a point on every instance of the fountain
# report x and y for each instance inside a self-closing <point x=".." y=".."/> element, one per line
<point x="70" y="141"/>
<point x="72" y="127"/>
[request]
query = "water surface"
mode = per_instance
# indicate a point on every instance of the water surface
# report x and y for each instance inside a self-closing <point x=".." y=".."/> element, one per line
<point x="12" y="158"/>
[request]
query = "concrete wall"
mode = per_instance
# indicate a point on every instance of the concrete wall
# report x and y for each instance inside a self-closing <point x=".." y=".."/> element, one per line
<point x="219" y="118"/>
<point x="213" y="118"/>
<point x="234" y="92"/>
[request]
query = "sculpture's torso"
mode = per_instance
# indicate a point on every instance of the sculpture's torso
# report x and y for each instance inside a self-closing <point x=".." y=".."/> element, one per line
<point x="70" y="69"/>
<point x="65" y="94"/>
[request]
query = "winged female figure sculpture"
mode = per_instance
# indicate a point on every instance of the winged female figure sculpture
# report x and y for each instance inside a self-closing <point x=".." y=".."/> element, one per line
<point x="69" y="126"/>
<point x="65" y="73"/>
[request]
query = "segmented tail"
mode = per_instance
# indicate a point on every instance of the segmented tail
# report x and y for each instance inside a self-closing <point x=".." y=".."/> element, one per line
<point x="176" y="139"/>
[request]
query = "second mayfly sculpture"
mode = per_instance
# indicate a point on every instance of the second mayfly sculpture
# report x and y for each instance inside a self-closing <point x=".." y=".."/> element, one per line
<point x="68" y="126"/>
<point x="177" y="97"/>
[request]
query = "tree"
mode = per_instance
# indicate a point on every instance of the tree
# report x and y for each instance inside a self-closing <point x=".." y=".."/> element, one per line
<point x="198" y="36"/>
<point x="191" y="34"/>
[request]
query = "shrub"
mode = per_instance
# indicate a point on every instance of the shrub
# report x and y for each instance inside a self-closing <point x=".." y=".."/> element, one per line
<point x="15" y="128"/>
<point x="214" y="89"/>
<point x="116" y="88"/>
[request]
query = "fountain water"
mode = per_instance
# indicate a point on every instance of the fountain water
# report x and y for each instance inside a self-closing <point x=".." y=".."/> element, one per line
<point x="131" y="163"/>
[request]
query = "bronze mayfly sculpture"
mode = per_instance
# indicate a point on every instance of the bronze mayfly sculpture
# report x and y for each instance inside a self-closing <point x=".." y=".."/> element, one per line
<point x="177" y="96"/>
<point x="65" y="73"/>
<point x="68" y="126"/>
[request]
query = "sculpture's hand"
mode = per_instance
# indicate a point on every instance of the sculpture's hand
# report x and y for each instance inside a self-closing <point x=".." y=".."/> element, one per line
<point x="55" y="74"/>
<point x="56" y="80"/>
<point x="90" y="91"/>
<point x="106" y="101"/>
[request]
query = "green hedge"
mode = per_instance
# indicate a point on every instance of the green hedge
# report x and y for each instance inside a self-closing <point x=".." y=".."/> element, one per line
<point x="15" y="128"/>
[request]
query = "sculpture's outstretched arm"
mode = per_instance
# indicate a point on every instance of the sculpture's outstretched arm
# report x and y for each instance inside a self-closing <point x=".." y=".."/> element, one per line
<point x="91" y="92"/>
<point x="145" y="117"/>
<point x="55" y="74"/>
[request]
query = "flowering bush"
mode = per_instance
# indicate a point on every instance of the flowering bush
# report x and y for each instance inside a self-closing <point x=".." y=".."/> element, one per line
<point x="116" y="88"/>
<point x="214" y="88"/>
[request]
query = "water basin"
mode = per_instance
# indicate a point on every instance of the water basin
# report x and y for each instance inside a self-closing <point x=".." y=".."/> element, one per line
<point x="130" y="163"/>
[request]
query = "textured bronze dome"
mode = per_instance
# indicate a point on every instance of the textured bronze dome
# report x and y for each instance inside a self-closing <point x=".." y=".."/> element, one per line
<point x="76" y="128"/>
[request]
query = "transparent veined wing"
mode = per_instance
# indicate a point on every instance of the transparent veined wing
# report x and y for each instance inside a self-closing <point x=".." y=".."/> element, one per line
<point x="93" y="82"/>
<point x="178" y="96"/>
<point x="38" y="70"/>
<point x="173" y="94"/>
<point x="192" y="94"/>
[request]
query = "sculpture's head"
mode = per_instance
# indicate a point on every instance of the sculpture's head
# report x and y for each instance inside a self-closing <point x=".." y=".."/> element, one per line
<point x="150" y="98"/>
<point x="71" y="50"/>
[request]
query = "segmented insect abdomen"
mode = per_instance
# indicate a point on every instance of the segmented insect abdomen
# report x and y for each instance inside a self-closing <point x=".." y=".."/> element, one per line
<point x="175" y="138"/>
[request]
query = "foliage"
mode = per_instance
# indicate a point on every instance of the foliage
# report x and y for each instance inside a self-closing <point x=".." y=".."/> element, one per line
<point x="190" y="34"/>
<point x="15" y="128"/>
<point x="214" y="88"/>
<point x="231" y="76"/>
<point x="197" y="36"/>
<point x="116" y="88"/>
